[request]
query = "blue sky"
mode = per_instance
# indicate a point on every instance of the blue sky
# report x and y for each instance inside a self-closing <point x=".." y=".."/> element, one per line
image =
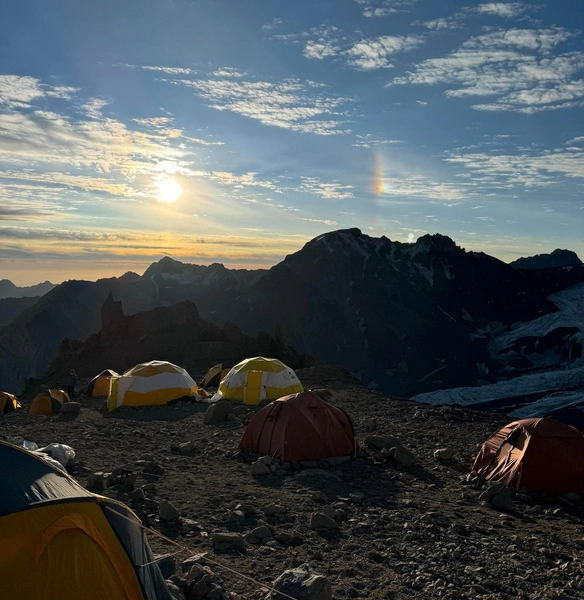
<point x="236" y="130"/>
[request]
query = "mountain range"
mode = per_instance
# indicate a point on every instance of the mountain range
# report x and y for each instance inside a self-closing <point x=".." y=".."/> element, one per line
<point x="9" y="290"/>
<point x="406" y="318"/>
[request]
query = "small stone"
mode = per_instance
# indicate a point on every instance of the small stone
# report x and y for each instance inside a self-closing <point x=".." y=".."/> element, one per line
<point x="379" y="442"/>
<point x="174" y="591"/>
<point x="217" y="412"/>
<point x="246" y="509"/>
<point x="137" y="495"/>
<point x="152" y="468"/>
<point x="336" y="461"/>
<point x="502" y="502"/>
<point x="198" y="591"/>
<point x="329" y="511"/>
<point x="301" y="583"/>
<point x="167" y="512"/>
<point x="444" y="454"/>
<point x="225" y="541"/>
<point x="490" y="492"/>
<point x="187" y="448"/>
<point x="259" y="469"/>
<point x="237" y="517"/>
<point x="96" y="482"/>
<point x="319" y="497"/>
<point x="195" y="573"/>
<point x="322" y="521"/>
<point x="273" y="510"/>
<point x="404" y="457"/>
<point x="262" y="533"/>
<point x="70" y="408"/>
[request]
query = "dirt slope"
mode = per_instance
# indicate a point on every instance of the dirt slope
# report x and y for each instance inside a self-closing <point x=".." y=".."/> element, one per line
<point x="406" y="532"/>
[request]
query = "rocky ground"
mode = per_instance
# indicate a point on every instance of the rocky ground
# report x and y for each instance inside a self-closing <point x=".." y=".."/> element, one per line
<point x="382" y="529"/>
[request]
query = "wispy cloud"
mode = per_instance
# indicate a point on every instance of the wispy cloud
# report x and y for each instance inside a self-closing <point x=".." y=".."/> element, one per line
<point x="507" y="10"/>
<point x="526" y="170"/>
<point x="274" y="24"/>
<point x="374" y="53"/>
<point x="229" y="72"/>
<point x="418" y="186"/>
<point x="383" y="8"/>
<point x="323" y="221"/>
<point x="369" y="140"/>
<point x="515" y="66"/>
<point x="290" y="104"/>
<point x="330" y="191"/>
<point x="17" y="91"/>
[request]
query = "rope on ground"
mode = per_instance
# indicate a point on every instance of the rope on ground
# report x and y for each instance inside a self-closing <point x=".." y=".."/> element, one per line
<point x="187" y="549"/>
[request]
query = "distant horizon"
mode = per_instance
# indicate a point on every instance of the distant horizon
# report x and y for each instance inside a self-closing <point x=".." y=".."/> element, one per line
<point x="140" y="267"/>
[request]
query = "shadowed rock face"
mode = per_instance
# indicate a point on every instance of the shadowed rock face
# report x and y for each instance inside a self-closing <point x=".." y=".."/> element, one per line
<point x="406" y="318"/>
<point x="558" y="258"/>
<point x="175" y="333"/>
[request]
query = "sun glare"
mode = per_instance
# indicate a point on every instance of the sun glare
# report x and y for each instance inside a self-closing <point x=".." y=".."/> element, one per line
<point x="168" y="190"/>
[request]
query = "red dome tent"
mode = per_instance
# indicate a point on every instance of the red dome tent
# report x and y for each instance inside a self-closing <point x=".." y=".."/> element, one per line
<point x="299" y="427"/>
<point x="537" y="454"/>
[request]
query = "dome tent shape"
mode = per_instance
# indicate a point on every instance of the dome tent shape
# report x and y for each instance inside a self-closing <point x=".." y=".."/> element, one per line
<point x="537" y="454"/>
<point x="150" y="383"/>
<point x="8" y="402"/>
<point x="299" y="427"/>
<point x="256" y="379"/>
<point x="57" y="540"/>
<point x="99" y="386"/>
<point x="214" y="375"/>
<point x="48" y="402"/>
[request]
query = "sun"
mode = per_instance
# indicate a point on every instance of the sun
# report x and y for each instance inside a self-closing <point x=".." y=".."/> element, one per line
<point x="168" y="190"/>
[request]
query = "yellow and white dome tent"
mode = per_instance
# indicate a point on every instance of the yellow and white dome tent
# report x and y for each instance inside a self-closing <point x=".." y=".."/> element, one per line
<point x="146" y="384"/>
<point x="256" y="379"/>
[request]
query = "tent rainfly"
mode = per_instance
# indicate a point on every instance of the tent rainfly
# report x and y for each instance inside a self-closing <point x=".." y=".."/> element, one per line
<point x="48" y="402"/>
<point x="256" y="379"/>
<point x="8" y="402"/>
<point x="99" y="386"/>
<point x="150" y="383"/>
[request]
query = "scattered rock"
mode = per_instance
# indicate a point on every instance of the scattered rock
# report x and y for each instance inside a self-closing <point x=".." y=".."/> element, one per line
<point x="187" y="448"/>
<point x="301" y="583"/>
<point x="96" y="482"/>
<point x="246" y="509"/>
<point x="289" y="538"/>
<point x="502" y="501"/>
<point x="490" y="492"/>
<point x="322" y="521"/>
<point x="152" y="468"/>
<point x="137" y="495"/>
<point x="404" y="457"/>
<point x="444" y="454"/>
<point x="167" y="512"/>
<point x="573" y="498"/>
<point x="224" y="542"/>
<point x="319" y="497"/>
<point x="378" y="442"/>
<point x="217" y="412"/>
<point x="70" y="408"/>
<point x="274" y="510"/>
<point x="329" y="511"/>
<point x="336" y="461"/>
<point x="259" y="468"/>
<point x="174" y="590"/>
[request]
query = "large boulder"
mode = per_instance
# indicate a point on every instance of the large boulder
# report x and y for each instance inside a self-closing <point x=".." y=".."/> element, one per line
<point x="301" y="583"/>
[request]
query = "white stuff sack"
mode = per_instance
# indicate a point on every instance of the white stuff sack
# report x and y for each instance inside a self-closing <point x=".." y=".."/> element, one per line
<point x="64" y="454"/>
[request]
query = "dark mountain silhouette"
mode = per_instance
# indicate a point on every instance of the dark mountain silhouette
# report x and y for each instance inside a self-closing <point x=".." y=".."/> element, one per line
<point x="9" y="290"/>
<point x="406" y="318"/>
<point x="175" y="333"/>
<point x="558" y="258"/>
<point x="10" y="308"/>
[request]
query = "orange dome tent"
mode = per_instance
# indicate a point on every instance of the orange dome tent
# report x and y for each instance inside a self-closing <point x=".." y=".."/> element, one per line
<point x="8" y="402"/>
<point x="48" y="402"/>
<point x="299" y="427"/>
<point x="536" y="454"/>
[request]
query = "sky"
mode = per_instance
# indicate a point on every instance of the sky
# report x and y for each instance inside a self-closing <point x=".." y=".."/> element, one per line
<point x="234" y="131"/>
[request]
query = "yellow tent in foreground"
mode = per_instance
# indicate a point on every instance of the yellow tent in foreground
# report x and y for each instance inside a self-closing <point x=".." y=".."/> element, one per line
<point x="99" y="386"/>
<point x="257" y="379"/>
<point x="146" y="384"/>
<point x="60" y="542"/>
<point x="8" y="402"/>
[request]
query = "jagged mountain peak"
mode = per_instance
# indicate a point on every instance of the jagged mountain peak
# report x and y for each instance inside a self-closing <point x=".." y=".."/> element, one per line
<point x="165" y="265"/>
<point x="557" y="258"/>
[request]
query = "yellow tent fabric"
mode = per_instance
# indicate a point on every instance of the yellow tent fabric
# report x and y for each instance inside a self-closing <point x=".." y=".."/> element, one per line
<point x="216" y="372"/>
<point x="151" y="383"/>
<point x="256" y="379"/>
<point x="70" y="545"/>
<point x="48" y="402"/>
<point x="8" y="402"/>
<point x="99" y="386"/>
<point x="60" y="542"/>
